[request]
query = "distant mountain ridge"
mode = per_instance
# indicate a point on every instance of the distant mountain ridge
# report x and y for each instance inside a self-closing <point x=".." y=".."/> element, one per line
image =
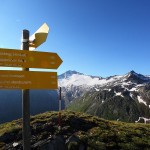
<point x="121" y="96"/>
<point x="75" y="84"/>
<point x="72" y="77"/>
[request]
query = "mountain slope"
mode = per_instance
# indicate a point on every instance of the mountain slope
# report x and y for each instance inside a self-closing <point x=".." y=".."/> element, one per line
<point x="125" y="97"/>
<point x="77" y="130"/>
<point x="113" y="105"/>
<point x="75" y="84"/>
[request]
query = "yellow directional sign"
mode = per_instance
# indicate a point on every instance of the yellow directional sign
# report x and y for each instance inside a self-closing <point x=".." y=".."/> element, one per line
<point x="39" y="36"/>
<point x="28" y="80"/>
<point x="29" y="59"/>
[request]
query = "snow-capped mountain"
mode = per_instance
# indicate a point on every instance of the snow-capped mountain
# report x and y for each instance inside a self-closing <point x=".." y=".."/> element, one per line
<point x="68" y="74"/>
<point x="98" y="93"/>
<point x="73" y="78"/>
<point x="70" y="78"/>
<point x="75" y="84"/>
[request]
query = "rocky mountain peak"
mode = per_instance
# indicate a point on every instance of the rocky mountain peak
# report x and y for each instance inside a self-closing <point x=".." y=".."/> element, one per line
<point x="132" y="72"/>
<point x="69" y="73"/>
<point x="137" y="78"/>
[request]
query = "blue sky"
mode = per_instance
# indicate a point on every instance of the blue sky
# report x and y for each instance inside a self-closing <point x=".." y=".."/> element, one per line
<point x="95" y="37"/>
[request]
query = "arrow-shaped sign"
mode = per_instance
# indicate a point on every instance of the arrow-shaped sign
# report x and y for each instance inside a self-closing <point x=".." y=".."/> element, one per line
<point x="28" y="80"/>
<point x="39" y="36"/>
<point x="29" y="59"/>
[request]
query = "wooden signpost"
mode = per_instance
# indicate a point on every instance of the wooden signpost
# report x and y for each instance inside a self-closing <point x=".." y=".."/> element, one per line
<point x="26" y="132"/>
<point x="26" y="79"/>
<point x="29" y="59"/>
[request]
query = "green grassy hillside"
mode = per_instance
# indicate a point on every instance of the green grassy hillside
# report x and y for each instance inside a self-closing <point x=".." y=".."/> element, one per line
<point x="94" y="132"/>
<point x="106" y="104"/>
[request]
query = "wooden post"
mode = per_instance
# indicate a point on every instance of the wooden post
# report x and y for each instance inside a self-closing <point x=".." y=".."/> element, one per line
<point x="26" y="133"/>
<point x="59" y="114"/>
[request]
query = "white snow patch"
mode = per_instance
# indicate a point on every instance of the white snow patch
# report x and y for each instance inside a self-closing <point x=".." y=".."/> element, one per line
<point x="141" y="100"/>
<point x="15" y="144"/>
<point x="133" y="89"/>
<point x="117" y="77"/>
<point x="118" y="94"/>
<point x="96" y="89"/>
<point x="129" y="82"/>
<point x="124" y="79"/>
<point x="139" y="85"/>
<point x="131" y="95"/>
<point x="78" y="79"/>
<point x="146" y="120"/>
<point x="107" y="89"/>
<point x="125" y="83"/>
<point x="122" y="86"/>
